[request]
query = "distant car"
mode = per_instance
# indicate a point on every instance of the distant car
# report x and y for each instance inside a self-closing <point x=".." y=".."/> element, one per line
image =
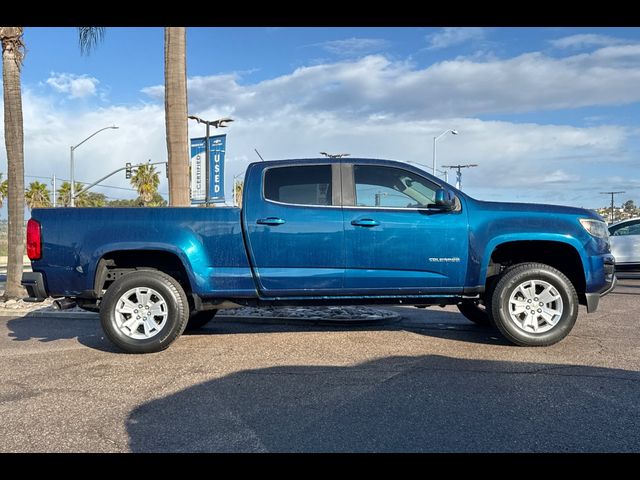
<point x="625" y="244"/>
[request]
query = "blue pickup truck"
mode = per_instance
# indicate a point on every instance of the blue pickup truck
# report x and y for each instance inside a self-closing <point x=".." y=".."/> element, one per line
<point x="323" y="232"/>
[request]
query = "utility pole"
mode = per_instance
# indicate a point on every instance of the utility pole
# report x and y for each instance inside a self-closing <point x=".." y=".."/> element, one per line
<point x="458" y="169"/>
<point x="53" y="180"/>
<point x="209" y="123"/>
<point x="612" y="194"/>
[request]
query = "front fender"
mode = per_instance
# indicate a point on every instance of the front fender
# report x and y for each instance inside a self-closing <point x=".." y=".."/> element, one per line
<point x="479" y="277"/>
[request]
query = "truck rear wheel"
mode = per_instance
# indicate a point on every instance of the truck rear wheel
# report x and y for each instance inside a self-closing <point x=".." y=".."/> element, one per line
<point x="144" y="311"/>
<point x="198" y="320"/>
<point x="534" y="305"/>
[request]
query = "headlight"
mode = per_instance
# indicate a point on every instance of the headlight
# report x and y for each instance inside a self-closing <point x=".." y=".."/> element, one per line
<point x="595" y="227"/>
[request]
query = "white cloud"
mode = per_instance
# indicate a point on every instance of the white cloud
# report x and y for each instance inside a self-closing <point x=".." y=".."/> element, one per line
<point x="353" y="46"/>
<point x="375" y="85"/>
<point x="451" y="36"/>
<point x="76" y="86"/>
<point x="585" y="40"/>
<point x="524" y="162"/>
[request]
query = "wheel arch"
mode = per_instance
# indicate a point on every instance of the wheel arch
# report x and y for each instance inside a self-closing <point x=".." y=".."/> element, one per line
<point x="114" y="262"/>
<point x="560" y="252"/>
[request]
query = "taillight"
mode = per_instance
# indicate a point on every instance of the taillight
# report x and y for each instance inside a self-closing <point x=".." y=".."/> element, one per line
<point x="34" y="240"/>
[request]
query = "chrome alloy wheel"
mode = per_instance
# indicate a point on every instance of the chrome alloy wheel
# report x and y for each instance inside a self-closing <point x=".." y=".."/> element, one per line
<point x="141" y="313"/>
<point x="535" y="306"/>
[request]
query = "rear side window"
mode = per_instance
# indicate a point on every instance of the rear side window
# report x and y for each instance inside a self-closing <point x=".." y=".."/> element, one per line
<point x="299" y="185"/>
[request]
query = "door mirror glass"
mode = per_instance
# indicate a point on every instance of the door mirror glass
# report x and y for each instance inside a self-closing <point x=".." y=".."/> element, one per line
<point x="445" y="199"/>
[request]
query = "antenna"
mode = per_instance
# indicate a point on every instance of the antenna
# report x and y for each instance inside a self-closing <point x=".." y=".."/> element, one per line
<point x="256" y="150"/>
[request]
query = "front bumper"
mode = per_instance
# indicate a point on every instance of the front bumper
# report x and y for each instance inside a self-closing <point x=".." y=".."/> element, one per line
<point x="593" y="299"/>
<point x="34" y="283"/>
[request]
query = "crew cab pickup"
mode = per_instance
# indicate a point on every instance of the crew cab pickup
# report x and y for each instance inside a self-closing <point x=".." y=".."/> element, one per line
<point x="322" y="232"/>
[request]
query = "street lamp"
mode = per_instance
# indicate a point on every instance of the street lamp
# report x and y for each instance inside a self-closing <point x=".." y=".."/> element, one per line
<point x="219" y="123"/>
<point x="435" y="139"/>
<point x="73" y="183"/>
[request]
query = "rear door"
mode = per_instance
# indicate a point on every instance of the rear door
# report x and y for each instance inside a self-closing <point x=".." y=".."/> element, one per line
<point x="394" y="243"/>
<point x="294" y="229"/>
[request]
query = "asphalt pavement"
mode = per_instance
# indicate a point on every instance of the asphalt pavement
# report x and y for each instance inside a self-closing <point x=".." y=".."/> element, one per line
<point x="429" y="382"/>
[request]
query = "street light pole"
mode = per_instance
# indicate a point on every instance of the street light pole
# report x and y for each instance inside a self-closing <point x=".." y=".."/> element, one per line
<point x="217" y="124"/>
<point x="435" y="139"/>
<point x="73" y="186"/>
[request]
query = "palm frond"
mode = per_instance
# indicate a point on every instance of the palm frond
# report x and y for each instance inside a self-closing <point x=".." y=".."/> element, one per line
<point x="89" y="38"/>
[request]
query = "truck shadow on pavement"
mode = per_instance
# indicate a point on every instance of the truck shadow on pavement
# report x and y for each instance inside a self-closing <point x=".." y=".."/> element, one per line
<point x="398" y="404"/>
<point x="88" y="332"/>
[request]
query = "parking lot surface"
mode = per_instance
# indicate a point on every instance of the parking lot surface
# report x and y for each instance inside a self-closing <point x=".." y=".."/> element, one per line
<point x="430" y="382"/>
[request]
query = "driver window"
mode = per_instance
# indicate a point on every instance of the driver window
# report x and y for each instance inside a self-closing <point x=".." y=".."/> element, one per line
<point x="631" y="228"/>
<point x="378" y="186"/>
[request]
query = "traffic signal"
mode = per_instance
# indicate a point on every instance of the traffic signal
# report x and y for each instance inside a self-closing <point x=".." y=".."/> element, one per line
<point x="128" y="171"/>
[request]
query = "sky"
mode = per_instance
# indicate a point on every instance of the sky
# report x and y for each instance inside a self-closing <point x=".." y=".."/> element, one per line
<point x="549" y="115"/>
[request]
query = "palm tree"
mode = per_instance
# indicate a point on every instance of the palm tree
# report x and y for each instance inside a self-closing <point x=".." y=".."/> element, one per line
<point x="13" y="51"/>
<point x="64" y="195"/>
<point x="37" y="196"/>
<point x="91" y="199"/>
<point x="4" y="190"/>
<point x="175" y="111"/>
<point x="238" y="187"/>
<point x="146" y="181"/>
<point x="12" y="57"/>
<point x="175" y="105"/>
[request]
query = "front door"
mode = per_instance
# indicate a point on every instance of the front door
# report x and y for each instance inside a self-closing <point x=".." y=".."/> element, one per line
<point x="394" y="243"/>
<point x="295" y="230"/>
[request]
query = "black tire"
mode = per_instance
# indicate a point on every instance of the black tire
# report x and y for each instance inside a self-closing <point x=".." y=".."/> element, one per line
<point x="198" y="320"/>
<point x="517" y="275"/>
<point x="177" y="311"/>
<point x="476" y="312"/>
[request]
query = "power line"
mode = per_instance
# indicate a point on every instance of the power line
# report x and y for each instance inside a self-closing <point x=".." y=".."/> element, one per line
<point x="100" y="185"/>
<point x="459" y="172"/>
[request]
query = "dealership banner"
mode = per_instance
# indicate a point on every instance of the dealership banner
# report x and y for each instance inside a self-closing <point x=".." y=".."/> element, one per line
<point x="217" y="147"/>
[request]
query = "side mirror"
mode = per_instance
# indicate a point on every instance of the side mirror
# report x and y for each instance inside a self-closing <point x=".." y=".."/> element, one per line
<point x="445" y="200"/>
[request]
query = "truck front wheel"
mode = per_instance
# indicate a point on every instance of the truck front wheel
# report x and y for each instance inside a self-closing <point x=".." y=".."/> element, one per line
<point x="476" y="312"/>
<point x="534" y="305"/>
<point x="144" y="311"/>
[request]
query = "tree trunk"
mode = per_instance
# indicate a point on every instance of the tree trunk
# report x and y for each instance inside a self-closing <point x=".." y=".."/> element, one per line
<point x="14" y="141"/>
<point x="175" y="106"/>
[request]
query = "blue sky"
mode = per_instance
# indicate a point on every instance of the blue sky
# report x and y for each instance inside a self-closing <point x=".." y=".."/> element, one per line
<point x="549" y="114"/>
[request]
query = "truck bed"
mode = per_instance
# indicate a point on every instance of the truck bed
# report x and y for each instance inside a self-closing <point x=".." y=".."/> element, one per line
<point x="207" y="240"/>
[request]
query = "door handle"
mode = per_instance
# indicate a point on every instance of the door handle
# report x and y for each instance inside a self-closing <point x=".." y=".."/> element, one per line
<point x="274" y="221"/>
<point x="365" y="222"/>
